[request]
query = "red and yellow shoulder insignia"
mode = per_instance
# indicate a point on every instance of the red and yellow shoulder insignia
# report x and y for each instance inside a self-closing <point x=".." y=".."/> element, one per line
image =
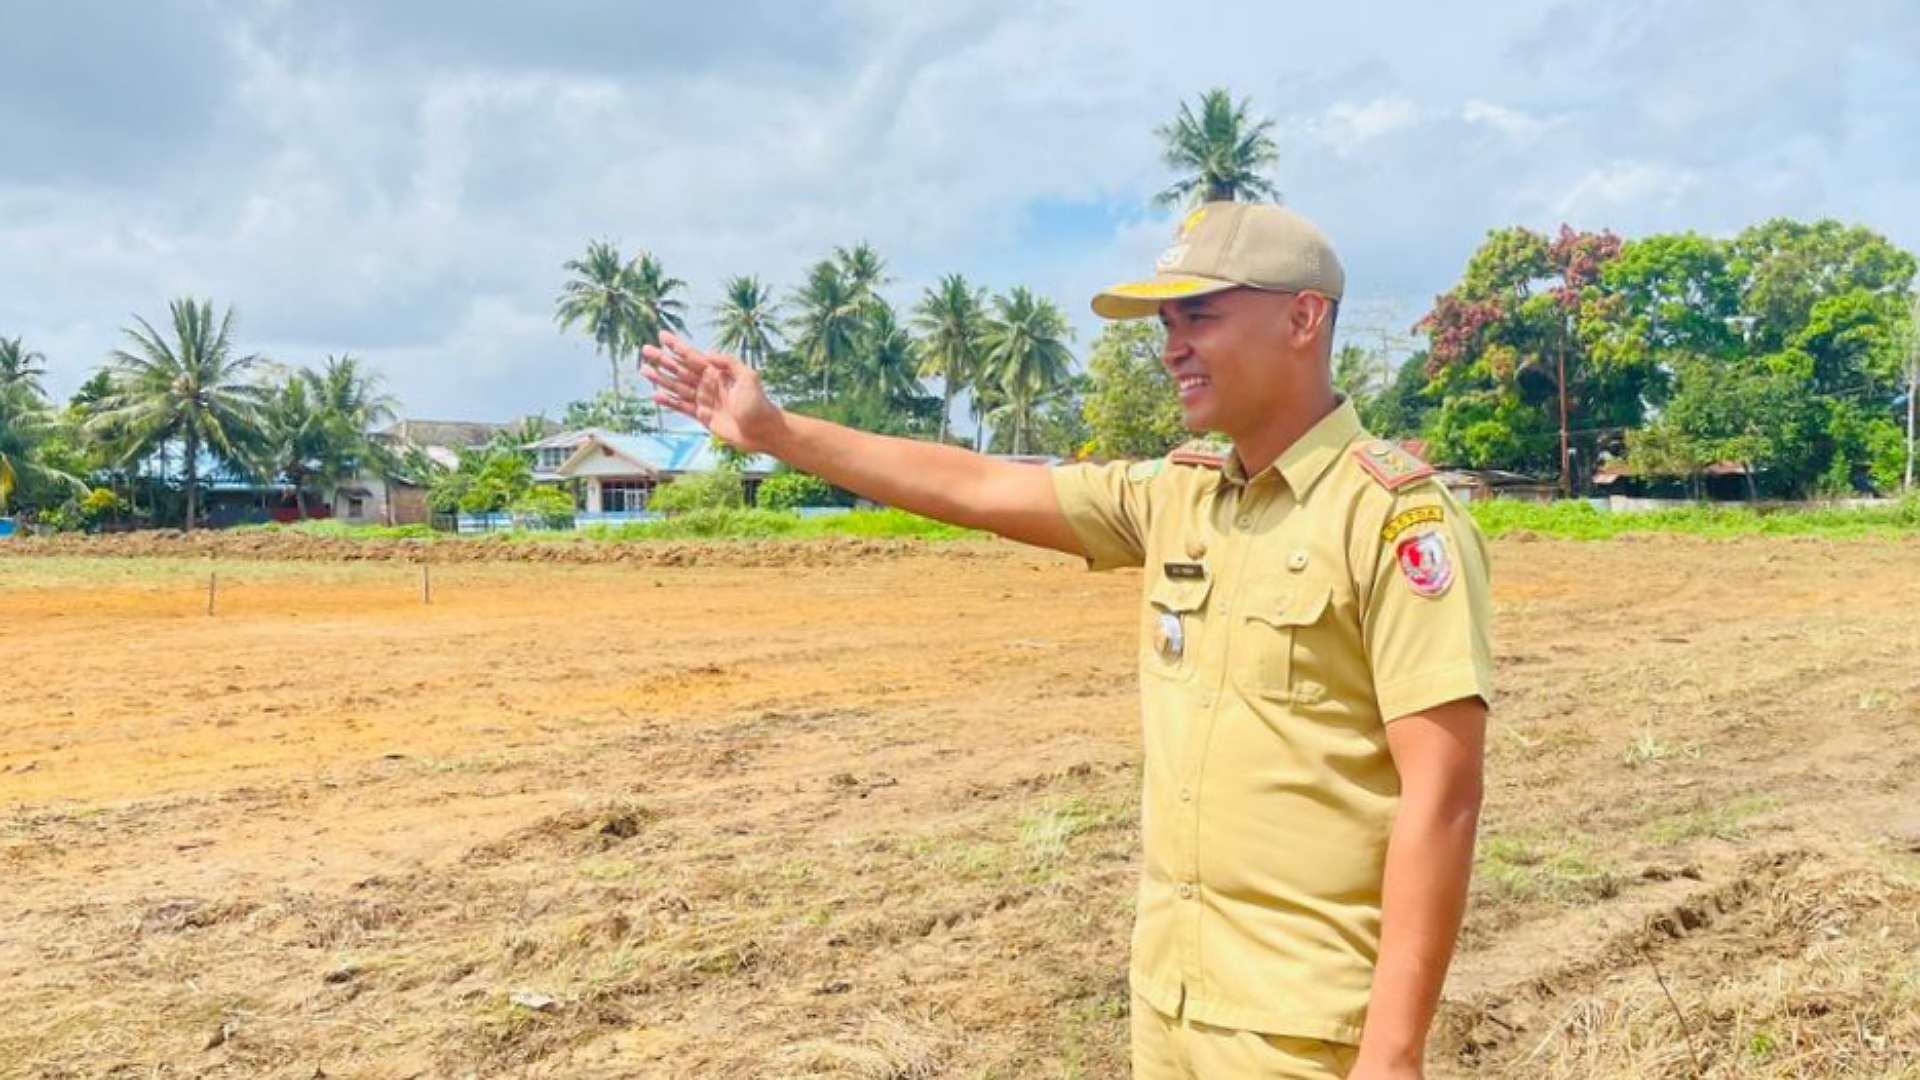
<point x="1205" y="453"/>
<point x="1393" y="467"/>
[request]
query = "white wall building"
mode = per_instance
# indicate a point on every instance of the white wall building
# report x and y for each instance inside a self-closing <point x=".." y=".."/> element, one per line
<point x="615" y="474"/>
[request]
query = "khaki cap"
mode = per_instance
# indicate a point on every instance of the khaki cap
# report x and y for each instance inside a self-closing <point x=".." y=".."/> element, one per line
<point x="1230" y="245"/>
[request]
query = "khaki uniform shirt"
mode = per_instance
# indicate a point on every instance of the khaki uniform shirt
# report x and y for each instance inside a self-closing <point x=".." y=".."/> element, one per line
<point x="1288" y="617"/>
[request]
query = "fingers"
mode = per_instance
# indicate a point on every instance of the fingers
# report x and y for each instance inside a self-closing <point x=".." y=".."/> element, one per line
<point x="677" y="404"/>
<point x="682" y="351"/>
<point x="686" y="354"/>
<point x="669" y="382"/>
<point x="662" y="360"/>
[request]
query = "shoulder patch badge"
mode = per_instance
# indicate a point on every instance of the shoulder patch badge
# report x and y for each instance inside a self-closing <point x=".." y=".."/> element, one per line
<point x="1141" y="471"/>
<point x="1205" y="453"/>
<point x="1419" y="515"/>
<point x="1391" y="466"/>
<point x="1426" y="564"/>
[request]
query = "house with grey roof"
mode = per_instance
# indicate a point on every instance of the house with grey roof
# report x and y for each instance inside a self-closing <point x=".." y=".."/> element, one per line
<point x="372" y="499"/>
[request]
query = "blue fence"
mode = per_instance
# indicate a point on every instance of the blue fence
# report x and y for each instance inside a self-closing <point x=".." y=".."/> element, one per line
<point x="6" y="528"/>
<point x="479" y="524"/>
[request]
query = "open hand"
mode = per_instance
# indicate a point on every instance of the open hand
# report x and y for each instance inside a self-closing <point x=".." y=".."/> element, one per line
<point x="720" y="393"/>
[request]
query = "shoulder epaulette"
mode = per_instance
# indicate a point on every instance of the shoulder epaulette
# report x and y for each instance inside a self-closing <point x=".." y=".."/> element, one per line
<point x="1393" y="467"/>
<point x="1205" y="453"/>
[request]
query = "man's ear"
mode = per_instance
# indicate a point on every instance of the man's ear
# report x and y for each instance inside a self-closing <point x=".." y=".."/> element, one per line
<point x="1309" y="316"/>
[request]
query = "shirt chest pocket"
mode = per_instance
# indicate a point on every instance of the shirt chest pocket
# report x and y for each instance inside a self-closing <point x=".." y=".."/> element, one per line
<point x="1278" y="617"/>
<point x="1176" y="616"/>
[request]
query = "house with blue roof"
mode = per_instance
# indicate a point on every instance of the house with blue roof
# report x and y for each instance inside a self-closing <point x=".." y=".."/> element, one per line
<point x="614" y="474"/>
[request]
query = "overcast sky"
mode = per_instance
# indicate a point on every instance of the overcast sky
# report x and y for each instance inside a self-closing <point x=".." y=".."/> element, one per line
<point x="403" y="180"/>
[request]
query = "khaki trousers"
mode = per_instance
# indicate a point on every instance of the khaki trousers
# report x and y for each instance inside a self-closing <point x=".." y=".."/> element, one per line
<point x="1177" y="1048"/>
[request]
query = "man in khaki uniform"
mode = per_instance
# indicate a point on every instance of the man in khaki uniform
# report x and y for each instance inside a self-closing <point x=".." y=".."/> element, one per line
<point x="1315" y="667"/>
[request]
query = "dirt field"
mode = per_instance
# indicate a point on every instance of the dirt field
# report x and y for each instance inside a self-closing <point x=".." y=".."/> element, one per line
<point x="871" y="813"/>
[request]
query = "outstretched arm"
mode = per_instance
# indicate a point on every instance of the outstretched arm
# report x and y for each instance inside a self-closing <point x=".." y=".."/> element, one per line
<point x="944" y="482"/>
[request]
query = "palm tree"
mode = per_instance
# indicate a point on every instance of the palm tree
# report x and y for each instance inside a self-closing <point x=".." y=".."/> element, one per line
<point x="950" y="318"/>
<point x="20" y="366"/>
<point x="347" y="390"/>
<point x="1221" y="153"/>
<point x="294" y="438"/>
<point x="351" y="401"/>
<point x="864" y="270"/>
<point x="600" y="297"/>
<point x="654" y="308"/>
<point x="193" y="388"/>
<point x="523" y="433"/>
<point x="748" y="321"/>
<point x="988" y="401"/>
<point x="827" y="320"/>
<point x="890" y="358"/>
<point x="25" y="424"/>
<point x="1027" y="355"/>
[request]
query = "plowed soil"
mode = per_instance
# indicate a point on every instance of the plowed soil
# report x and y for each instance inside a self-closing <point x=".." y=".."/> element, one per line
<point x="869" y="810"/>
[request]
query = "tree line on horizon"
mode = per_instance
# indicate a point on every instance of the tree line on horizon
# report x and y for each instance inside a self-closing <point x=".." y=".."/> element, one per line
<point x="1791" y="350"/>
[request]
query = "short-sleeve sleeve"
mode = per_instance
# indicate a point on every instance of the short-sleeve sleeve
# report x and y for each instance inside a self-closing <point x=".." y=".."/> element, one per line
<point x="1428" y="623"/>
<point x="1108" y="506"/>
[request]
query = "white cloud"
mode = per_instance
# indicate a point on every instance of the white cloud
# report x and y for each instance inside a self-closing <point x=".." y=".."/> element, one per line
<point x="1513" y="123"/>
<point x="1346" y="127"/>
<point x="1626" y="184"/>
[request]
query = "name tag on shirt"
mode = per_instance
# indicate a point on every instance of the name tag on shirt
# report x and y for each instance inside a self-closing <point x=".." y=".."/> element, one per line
<point x="1184" y="571"/>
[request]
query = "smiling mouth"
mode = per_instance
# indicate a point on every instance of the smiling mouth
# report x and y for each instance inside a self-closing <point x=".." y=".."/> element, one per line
<point x="1191" y="384"/>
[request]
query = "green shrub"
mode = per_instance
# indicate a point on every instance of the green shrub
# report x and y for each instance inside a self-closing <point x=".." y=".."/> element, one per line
<point x="721" y="490"/>
<point x="787" y="490"/>
<point x="101" y="504"/>
<point x="551" y="506"/>
<point x="64" y="518"/>
<point x="761" y="524"/>
<point x="1583" y="521"/>
<point x="341" y="530"/>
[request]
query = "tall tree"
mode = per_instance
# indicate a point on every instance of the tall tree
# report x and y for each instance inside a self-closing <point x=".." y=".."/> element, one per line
<point x="889" y="362"/>
<point x="600" y="298"/>
<point x="294" y="440"/>
<point x="192" y="387"/>
<point x="655" y="308"/>
<point x="1514" y="361"/>
<point x="625" y="415"/>
<point x="1132" y="409"/>
<point x="1787" y="267"/>
<point x="828" y="314"/>
<point x="864" y="270"/>
<point x="1221" y="152"/>
<point x="1402" y="411"/>
<point x="27" y="429"/>
<point x="21" y="366"/>
<point x="951" y="318"/>
<point x="748" y="321"/>
<point x="1362" y="375"/>
<point x="351" y="401"/>
<point x="1027" y="355"/>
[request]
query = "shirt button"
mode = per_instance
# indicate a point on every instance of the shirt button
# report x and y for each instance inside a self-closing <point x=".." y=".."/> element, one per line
<point x="1186" y="795"/>
<point x="1297" y="561"/>
<point x="1243" y="520"/>
<point x="1186" y="892"/>
<point x="1196" y="549"/>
